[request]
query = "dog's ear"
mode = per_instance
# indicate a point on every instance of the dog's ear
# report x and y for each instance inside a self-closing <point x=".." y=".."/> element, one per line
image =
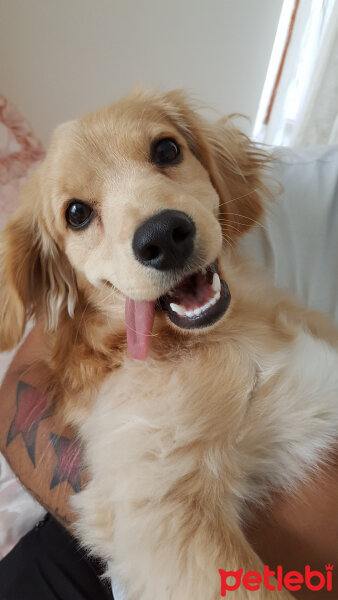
<point x="35" y="276"/>
<point x="234" y="163"/>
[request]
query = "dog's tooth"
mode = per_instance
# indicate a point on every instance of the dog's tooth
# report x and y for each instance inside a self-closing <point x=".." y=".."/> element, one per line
<point x="189" y="313"/>
<point x="216" y="283"/>
<point x="205" y="307"/>
<point x="198" y="311"/>
<point x="213" y="301"/>
<point x="177" y="309"/>
<point x="217" y="296"/>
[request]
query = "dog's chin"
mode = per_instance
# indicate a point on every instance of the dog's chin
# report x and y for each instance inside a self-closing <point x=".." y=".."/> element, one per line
<point x="198" y="301"/>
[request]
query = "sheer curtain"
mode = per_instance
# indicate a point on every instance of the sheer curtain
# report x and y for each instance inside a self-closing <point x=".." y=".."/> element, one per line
<point x="304" y="103"/>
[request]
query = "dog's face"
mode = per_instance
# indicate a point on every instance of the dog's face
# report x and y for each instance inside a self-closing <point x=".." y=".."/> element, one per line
<point x="117" y="173"/>
<point x="138" y="196"/>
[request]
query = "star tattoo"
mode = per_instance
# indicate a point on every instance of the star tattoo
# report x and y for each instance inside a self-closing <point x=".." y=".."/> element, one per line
<point x="31" y="408"/>
<point x="69" y="465"/>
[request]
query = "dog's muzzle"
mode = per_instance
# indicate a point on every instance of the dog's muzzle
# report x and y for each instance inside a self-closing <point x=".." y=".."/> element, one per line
<point x="165" y="242"/>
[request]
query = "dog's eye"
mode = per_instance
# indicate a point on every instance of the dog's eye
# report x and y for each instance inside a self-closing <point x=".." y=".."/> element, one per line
<point x="78" y="214"/>
<point x="166" y="152"/>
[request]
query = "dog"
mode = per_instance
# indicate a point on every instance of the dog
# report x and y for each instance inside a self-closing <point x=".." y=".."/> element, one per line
<point x="197" y="388"/>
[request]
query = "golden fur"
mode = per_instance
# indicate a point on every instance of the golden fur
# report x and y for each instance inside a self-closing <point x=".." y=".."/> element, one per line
<point x="179" y="446"/>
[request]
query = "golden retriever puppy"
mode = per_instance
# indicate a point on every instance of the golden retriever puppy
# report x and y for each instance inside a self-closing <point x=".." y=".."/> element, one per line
<point x="196" y="387"/>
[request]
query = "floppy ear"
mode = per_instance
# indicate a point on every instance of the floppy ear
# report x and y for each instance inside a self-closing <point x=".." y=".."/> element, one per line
<point x="35" y="276"/>
<point x="234" y="163"/>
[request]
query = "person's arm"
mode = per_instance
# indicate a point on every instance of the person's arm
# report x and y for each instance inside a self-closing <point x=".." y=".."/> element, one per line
<point x="43" y="454"/>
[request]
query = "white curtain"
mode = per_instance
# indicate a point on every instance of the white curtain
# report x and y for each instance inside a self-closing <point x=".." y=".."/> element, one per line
<point x="305" y="109"/>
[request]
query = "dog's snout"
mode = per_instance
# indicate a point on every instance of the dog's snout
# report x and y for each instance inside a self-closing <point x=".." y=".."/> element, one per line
<point x="165" y="241"/>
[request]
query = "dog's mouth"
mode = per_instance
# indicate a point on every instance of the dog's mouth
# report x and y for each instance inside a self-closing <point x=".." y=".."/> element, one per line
<point x="198" y="301"/>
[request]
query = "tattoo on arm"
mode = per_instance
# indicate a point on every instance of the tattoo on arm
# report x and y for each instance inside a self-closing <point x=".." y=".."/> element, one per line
<point x="54" y="511"/>
<point x="31" y="408"/>
<point x="69" y="464"/>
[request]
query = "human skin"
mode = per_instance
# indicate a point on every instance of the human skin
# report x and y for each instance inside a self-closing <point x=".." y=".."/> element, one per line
<point x="34" y="457"/>
<point x="293" y="531"/>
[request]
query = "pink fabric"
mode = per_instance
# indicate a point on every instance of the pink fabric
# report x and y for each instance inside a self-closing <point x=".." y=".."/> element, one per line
<point x="20" y="152"/>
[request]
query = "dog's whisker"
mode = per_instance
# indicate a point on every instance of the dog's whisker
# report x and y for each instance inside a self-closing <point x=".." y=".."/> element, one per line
<point x="229" y="224"/>
<point x="254" y="221"/>
<point x="228" y="239"/>
<point x="245" y="217"/>
<point x="232" y="227"/>
<point x="249" y="193"/>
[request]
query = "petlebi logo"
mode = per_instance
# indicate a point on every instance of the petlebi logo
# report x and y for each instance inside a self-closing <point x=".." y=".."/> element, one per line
<point x="290" y="580"/>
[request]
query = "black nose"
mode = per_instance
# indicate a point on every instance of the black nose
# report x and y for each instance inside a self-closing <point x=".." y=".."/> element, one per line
<point x="165" y="241"/>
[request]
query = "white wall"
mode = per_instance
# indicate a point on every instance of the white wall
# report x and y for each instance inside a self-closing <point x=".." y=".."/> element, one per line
<point x="59" y="58"/>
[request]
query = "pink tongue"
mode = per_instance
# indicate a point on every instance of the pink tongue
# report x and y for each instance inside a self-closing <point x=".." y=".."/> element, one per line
<point x="139" y="321"/>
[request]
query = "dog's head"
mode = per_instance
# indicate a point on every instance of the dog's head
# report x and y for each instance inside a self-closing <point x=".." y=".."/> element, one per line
<point x="139" y="196"/>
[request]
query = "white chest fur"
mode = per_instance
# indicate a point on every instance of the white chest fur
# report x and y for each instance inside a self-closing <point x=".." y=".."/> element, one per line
<point x="200" y="433"/>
